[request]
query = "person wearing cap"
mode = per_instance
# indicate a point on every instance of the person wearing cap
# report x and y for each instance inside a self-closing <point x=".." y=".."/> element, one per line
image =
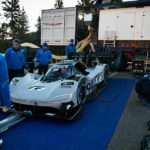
<point x="15" y="60"/>
<point x="44" y="57"/>
<point x="71" y="48"/>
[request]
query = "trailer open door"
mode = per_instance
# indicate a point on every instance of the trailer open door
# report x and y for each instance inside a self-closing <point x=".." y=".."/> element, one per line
<point x="125" y="26"/>
<point x="146" y="26"/>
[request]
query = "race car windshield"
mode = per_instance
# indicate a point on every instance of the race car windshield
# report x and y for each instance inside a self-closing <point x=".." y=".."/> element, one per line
<point x="55" y="74"/>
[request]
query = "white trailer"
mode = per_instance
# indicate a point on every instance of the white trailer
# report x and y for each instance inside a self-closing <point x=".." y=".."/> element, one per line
<point x="125" y="24"/>
<point x="58" y="26"/>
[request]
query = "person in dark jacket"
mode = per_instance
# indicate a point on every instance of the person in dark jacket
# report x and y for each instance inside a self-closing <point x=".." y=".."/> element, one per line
<point x="44" y="57"/>
<point x="71" y="48"/>
<point x="15" y="60"/>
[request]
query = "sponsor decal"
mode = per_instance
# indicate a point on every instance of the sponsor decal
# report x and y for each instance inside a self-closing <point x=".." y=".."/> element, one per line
<point x="37" y="88"/>
<point x="67" y="83"/>
<point x="65" y="86"/>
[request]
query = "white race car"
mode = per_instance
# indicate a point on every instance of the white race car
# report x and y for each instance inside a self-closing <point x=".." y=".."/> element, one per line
<point x="61" y="92"/>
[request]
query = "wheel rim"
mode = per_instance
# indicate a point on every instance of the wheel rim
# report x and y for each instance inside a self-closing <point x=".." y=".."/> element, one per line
<point x="81" y="94"/>
<point x="106" y="75"/>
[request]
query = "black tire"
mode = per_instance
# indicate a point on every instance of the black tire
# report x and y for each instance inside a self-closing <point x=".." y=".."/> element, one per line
<point x="106" y="75"/>
<point x="123" y="63"/>
<point x="81" y="93"/>
<point x="145" y="144"/>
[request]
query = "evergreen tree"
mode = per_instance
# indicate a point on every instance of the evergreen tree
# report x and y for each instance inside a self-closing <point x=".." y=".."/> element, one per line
<point x="4" y="31"/>
<point x="86" y="2"/>
<point x="116" y="0"/>
<point x="90" y="2"/>
<point x="23" y="26"/>
<point x="58" y="4"/>
<point x="35" y="37"/>
<point x="11" y="12"/>
<point x="38" y="31"/>
<point x="111" y="1"/>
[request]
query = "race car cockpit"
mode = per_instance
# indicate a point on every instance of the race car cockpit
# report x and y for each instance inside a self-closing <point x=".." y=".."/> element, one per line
<point x="57" y="73"/>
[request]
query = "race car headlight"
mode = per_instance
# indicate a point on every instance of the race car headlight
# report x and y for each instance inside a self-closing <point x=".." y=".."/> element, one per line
<point x="66" y="106"/>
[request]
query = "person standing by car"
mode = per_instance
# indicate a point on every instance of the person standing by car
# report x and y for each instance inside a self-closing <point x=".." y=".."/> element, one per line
<point x="70" y="49"/>
<point x="4" y="87"/>
<point x="15" y="60"/>
<point x="44" y="57"/>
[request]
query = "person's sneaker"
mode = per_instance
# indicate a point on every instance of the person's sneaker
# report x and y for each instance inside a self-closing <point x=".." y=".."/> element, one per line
<point x="1" y="142"/>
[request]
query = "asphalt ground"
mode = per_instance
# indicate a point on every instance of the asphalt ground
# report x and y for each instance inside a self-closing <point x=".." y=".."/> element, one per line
<point x="132" y="125"/>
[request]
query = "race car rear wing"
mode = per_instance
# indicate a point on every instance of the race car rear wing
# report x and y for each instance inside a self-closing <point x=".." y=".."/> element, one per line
<point x="91" y="57"/>
<point x="102" y="54"/>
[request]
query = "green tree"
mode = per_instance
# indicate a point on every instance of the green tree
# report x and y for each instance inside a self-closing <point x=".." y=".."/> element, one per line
<point x="58" y="4"/>
<point x="111" y="1"/>
<point x="38" y="31"/>
<point x="35" y="37"/>
<point x="4" y="31"/>
<point x="11" y="10"/>
<point x="116" y="0"/>
<point x="90" y="2"/>
<point x="86" y="2"/>
<point x="5" y="44"/>
<point x="23" y="25"/>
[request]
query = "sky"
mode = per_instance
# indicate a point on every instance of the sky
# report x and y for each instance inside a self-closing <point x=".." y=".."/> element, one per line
<point x="33" y="9"/>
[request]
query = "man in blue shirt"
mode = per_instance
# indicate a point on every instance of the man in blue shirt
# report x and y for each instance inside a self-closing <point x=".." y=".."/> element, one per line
<point x="44" y="57"/>
<point x="4" y="87"/>
<point x="15" y="60"/>
<point x="71" y="48"/>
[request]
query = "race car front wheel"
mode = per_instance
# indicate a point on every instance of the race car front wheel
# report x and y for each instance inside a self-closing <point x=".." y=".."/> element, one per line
<point x="106" y="75"/>
<point x="81" y="93"/>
